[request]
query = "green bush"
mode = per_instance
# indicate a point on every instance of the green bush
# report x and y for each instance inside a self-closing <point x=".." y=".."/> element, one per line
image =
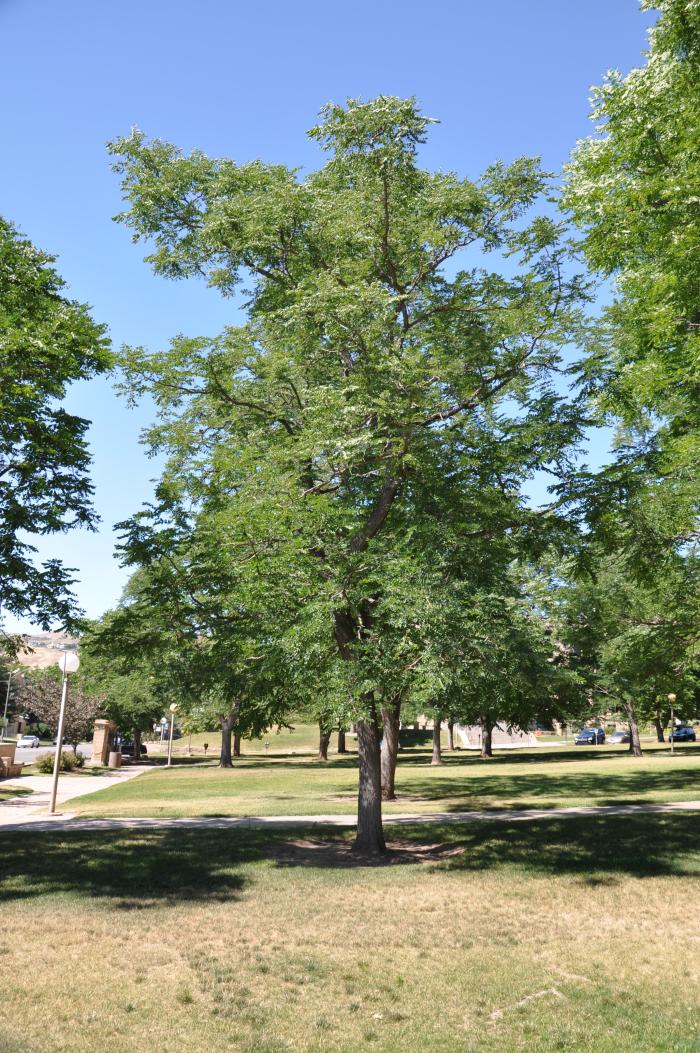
<point x="69" y="762"/>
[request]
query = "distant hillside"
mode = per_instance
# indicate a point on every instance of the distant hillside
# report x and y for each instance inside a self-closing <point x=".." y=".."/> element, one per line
<point x="42" y="650"/>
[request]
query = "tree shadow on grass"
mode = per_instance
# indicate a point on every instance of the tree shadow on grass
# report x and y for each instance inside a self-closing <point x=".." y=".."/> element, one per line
<point x="599" y="849"/>
<point x="420" y="757"/>
<point x="133" y="869"/>
<point x="614" y="787"/>
<point x="540" y="755"/>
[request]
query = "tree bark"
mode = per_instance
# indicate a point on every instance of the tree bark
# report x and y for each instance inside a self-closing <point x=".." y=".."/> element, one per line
<point x="137" y="744"/>
<point x="659" y="728"/>
<point x="486" y="734"/>
<point x="450" y="734"/>
<point x="342" y="748"/>
<point x="370" y="834"/>
<point x="389" y="750"/>
<point x="226" y="732"/>
<point x="635" y="745"/>
<point x="236" y="743"/>
<point x="437" y="746"/>
<point x="324" y="739"/>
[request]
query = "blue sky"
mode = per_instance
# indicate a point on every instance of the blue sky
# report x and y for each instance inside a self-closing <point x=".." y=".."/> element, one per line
<point x="505" y="77"/>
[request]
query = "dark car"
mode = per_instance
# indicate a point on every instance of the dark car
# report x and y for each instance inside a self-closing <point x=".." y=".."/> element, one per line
<point x="682" y="733"/>
<point x="590" y="737"/>
<point x="126" y="748"/>
<point x="619" y="737"/>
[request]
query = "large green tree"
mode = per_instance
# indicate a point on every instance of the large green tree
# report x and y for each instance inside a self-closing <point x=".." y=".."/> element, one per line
<point x="47" y="341"/>
<point x="634" y="190"/>
<point x="396" y="376"/>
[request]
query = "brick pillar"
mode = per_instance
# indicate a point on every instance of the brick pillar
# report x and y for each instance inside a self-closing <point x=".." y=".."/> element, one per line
<point x="102" y="735"/>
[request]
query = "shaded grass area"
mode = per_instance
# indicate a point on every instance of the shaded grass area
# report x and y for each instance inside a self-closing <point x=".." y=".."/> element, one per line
<point x="541" y="937"/>
<point x="7" y="792"/>
<point x="285" y="784"/>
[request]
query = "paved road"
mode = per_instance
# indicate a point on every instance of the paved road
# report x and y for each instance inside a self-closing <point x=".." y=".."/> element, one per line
<point x="28" y="756"/>
<point x="40" y="822"/>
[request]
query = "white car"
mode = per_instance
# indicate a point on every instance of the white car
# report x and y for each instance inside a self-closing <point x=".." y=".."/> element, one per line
<point x="27" y="742"/>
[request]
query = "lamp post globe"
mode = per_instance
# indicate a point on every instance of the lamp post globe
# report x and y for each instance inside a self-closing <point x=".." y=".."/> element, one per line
<point x="68" y="662"/>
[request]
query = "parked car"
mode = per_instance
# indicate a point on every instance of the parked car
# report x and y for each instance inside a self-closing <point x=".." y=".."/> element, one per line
<point x="126" y="748"/>
<point x="683" y="733"/>
<point x="30" y="742"/>
<point x="618" y="737"/>
<point x="590" y="737"/>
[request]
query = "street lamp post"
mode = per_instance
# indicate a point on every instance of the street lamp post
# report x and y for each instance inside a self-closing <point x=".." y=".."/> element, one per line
<point x="7" y="702"/>
<point x="172" y="707"/>
<point x="672" y="700"/>
<point x="67" y="663"/>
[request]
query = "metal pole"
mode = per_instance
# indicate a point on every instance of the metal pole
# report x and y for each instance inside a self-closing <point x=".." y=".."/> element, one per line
<point x="7" y="701"/>
<point x="671" y="735"/>
<point x="59" y="744"/>
<point x="170" y="740"/>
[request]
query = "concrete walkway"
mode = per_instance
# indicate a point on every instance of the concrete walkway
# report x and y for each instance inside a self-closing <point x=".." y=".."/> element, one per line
<point x="33" y="807"/>
<point x="39" y="823"/>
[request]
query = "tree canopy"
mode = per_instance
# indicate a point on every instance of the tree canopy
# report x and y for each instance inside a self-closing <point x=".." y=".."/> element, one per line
<point x="46" y="342"/>
<point x="393" y="388"/>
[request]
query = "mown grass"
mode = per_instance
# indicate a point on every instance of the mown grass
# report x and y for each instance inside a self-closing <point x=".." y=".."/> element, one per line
<point x="284" y="784"/>
<point x="563" y="935"/>
<point x="300" y="738"/>
<point x="6" y="792"/>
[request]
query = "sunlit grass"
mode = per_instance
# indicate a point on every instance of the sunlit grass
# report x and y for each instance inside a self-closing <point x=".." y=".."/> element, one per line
<point x="7" y="792"/>
<point x="283" y="784"/>
<point x="574" y="935"/>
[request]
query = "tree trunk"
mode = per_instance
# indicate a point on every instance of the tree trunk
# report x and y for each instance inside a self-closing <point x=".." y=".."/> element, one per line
<point x="659" y="728"/>
<point x="137" y="744"/>
<point x="324" y="739"/>
<point x="370" y="834"/>
<point x="342" y="748"/>
<point x="437" y="750"/>
<point x="389" y="750"/>
<point x="486" y="733"/>
<point x="450" y="734"/>
<point x="635" y="745"/>
<point x="236" y="743"/>
<point x="226" y="731"/>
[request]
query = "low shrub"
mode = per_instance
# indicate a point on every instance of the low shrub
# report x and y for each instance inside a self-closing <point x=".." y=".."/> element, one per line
<point x="70" y="761"/>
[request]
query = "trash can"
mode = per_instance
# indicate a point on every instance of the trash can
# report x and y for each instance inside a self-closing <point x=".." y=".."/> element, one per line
<point x="115" y="759"/>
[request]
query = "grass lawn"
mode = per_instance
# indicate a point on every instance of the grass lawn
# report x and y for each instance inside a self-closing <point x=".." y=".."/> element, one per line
<point x="299" y="785"/>
<point x="563" y="935"/>
<point x="6" y="792"/>
<point x="301" y="738"/>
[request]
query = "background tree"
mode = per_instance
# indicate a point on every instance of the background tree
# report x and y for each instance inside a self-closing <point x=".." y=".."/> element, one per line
<point x="635" y="639"/>
<point x="382" y="369"/>
<point x="46" y="342"/>
<point x="40" y="695"/>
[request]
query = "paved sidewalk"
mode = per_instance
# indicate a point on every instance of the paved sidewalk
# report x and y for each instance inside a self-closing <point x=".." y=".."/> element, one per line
<point x="33" y="807"/>
<point x="42" y="823"/>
